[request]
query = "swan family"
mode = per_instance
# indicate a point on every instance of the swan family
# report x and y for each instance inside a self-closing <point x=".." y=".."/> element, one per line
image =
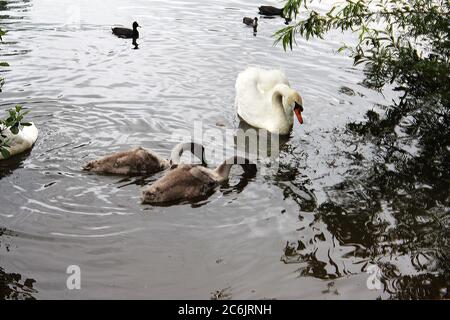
<point x="264" y="99"/>
<point x="182" y="182"/>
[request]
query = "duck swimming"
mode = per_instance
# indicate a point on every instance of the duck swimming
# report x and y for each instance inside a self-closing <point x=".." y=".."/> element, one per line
<point x="273" y="11"/>
<point x="141" y="161"/>
<point x="270" y="11"/>
<point x="251" y="22"/>
<point x="264" y="99"/>
<point x="127" y="33"/>
<point x="20" y="142"/>
<point x="189" y="182"/>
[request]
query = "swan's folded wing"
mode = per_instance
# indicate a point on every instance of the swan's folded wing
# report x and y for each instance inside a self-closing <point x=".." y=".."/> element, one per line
<point x="249" y="99"/>
<point x="268" y="79"/>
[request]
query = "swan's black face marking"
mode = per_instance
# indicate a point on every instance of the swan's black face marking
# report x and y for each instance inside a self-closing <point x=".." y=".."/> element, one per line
<point x="298" y="106"/>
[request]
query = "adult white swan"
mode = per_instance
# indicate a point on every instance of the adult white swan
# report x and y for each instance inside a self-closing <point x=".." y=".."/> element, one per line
<point x="264" y="99"/>
<point x="20" y="142"/>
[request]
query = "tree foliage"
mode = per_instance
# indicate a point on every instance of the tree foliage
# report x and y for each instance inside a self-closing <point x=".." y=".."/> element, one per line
<point x="404" y="44"/>
<point x="397" y="40"/>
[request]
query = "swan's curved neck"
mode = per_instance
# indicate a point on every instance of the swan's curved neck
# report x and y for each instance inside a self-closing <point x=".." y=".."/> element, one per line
<point x="281" y="101"/>
<point x="197" y="150"/>
<point x="281" y="92"/>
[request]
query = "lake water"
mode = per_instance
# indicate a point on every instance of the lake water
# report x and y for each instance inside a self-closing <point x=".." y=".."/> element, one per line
<point x="91" y="94"/>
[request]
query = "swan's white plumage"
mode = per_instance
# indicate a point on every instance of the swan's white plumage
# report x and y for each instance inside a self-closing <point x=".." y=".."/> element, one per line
<point x="264" y="99"/>
<point x="22" y="141"/>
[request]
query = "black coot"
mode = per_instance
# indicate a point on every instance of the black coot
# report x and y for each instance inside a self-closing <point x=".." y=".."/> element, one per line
<point x="272" y="11"/>
<point x="127" y="33"/>
<point x="251" y="22"/>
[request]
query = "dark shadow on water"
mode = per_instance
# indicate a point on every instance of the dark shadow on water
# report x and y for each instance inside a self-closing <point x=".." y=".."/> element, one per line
<point x="244" y="179"/>
<point x="394" y="206"/>
<point x="291" y="179"/>
<point x="7" y="166"/>
<point x="13" y="286"/>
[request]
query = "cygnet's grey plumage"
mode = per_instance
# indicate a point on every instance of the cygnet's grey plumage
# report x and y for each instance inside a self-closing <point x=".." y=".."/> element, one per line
<point x="142" y="161"/>
<point x="189" y="182"/>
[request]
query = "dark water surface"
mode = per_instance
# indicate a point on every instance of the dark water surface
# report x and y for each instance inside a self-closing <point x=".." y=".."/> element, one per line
<point x="288" y="233"/>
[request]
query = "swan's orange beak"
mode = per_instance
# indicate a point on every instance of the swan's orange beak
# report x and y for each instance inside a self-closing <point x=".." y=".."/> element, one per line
<point x="298" y="112"/>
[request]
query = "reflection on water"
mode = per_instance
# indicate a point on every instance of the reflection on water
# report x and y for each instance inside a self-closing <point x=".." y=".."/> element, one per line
<point x="9" y="165"/>
<point x="12" y="286"/>
<point x="308" y="225"/>
<point x="135" y="44"/>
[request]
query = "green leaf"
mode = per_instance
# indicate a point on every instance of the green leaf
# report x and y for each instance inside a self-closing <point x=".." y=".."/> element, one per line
<point x="14" y="130"/>
<point x="5" y="153"/>
<point x="4" y="64"/>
